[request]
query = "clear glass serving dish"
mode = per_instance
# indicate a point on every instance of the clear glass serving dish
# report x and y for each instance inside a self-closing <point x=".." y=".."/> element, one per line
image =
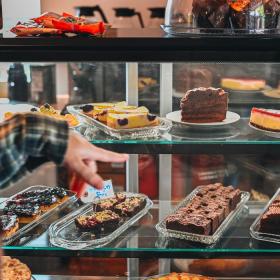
<point x="64" y="233"/>
<point x="205" y="239"/>
<point x="190" y="17"/>
<point x="134" y="133"/>
<point x="24" y="228"/>
<point x="254" y="229"/>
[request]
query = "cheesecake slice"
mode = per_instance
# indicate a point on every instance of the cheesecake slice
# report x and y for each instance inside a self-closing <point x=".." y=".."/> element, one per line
<point x="266" y="119"/>
<point x="243" y="84"/>
<point x="126" y="121"/>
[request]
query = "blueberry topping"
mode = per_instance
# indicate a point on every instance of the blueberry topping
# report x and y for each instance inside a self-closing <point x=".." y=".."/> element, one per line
<point x="87" y="108"/>
<point x="33" y="110"/>
<point x="151" y="117"/>
<point x="47" y="106"/>
<point x="123" y="121"/>
<point x="64" y="112"/>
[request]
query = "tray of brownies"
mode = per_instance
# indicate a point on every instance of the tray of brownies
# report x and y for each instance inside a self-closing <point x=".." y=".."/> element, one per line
<point x="25" y="210"/>
<point x="99" y="222"/>
<point x="205" y="214"/>
<point x="266" y="226"/>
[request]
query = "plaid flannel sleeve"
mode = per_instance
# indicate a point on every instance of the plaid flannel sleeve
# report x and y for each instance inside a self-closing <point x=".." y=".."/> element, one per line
<point x="29" y="135"/>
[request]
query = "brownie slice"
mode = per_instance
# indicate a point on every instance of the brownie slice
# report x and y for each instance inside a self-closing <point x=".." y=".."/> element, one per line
<point x="130" y="206"/>
<point x="192" y="223"/>
<point x="234" y="196"/>
<point x="109" y="203"/>
<point x="105" y="204"/>
<point x="98" y="222"/>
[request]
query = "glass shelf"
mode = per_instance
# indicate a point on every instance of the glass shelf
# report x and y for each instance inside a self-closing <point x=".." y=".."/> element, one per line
<point x="142" y="240"/>
<point x="237" y="138"/>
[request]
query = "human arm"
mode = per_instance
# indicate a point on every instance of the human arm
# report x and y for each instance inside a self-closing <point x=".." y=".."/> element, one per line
<point x="33" y="135"/>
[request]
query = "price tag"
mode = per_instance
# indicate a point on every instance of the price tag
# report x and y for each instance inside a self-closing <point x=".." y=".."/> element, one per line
<point x="93" y="193"/>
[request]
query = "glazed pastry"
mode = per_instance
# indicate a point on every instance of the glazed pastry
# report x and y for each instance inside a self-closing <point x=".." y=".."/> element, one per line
<point x="9" y="225"/>
<point x="26" y="212"/>
<point x="29" y="205"/>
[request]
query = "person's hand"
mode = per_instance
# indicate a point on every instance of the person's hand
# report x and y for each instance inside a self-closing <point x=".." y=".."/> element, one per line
<point x="81" y="157"/>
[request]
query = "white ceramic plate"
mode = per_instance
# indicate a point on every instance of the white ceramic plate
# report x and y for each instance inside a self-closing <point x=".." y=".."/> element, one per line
<point x="175" y="117"/>
<point x="266" y="132"/>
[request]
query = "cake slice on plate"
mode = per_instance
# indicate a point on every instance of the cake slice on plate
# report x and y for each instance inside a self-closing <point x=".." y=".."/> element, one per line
<point x="267" y="119"/>
<point x="243" y="84"/>
<point x="204" y="105"/>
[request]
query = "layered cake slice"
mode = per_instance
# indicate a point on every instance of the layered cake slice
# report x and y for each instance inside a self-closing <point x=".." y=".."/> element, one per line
<point x="204" y="105"/>
<point x="126" y="121"/>
<point x="9" y="224"/>
<point x="243" y="84"/>
<point x="266" y="119"/>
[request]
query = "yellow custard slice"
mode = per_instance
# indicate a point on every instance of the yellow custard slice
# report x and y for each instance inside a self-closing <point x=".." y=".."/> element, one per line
<point x="136" y="120"/>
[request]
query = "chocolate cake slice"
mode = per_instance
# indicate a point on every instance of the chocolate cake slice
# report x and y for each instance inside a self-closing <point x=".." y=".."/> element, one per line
<point x="204" y="105"/>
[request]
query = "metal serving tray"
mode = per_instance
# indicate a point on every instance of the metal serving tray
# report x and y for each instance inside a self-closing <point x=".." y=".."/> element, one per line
<point x="254" y="229"/>
<point x="133" y="133"/>
<point x="24" y="228"/>
<point x="205" y="239"/>
<point x="64" y="233"/>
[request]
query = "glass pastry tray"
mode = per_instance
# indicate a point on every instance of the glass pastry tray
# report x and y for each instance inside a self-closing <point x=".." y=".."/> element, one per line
<point x="24" y="228"/>
<point x="133" y="133"/>
<point x="64" y="233"/>
<point x="205" y="239"/>
<point x="254" y="229"/>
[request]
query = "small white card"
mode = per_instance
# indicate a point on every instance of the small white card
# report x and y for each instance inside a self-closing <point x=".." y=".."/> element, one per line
<point x="93" y="193"/>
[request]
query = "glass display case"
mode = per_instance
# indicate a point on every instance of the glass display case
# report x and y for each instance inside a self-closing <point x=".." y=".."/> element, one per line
<point x="152" y="69"/>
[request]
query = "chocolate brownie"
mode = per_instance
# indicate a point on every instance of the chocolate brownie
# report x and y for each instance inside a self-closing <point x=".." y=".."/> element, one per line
<point x="98" y="222"/>
<point x="109" y="203"/>
<point x="211" y="205"/>
<point x="130" y="206"/>
<point x="270" y="220"/>
<point x="193" y="223"/>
